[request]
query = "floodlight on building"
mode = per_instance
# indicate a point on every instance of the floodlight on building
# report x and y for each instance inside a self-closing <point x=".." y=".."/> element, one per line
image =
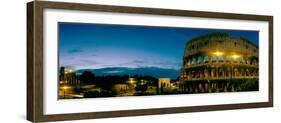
<point x="218" y="53"/>
<point x="235" y="56"/>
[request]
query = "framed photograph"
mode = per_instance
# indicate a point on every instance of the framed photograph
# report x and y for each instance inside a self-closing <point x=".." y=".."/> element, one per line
<point x="96" y="61"/>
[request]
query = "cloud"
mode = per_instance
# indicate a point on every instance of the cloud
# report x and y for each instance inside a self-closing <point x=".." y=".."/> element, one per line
<point x="134" y="63"/>
<point x="113" y="71"/>
<point x="108" y="65"/>
<point x="74" y="51"/>
<point x="138" y="61"/>
<point x="88" y="62"/>
<point x="171" y="64"/>
<point x="94" y="54"/>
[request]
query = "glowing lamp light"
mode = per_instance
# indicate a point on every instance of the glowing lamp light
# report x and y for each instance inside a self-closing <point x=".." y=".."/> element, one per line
<point x="131" y="80"/>
<point x="69" y="71"/>
<point x="217" y="53"/>
<point x="61" y="82"/>
<point x="235" y="56"/>
<point x="65" y="87"/>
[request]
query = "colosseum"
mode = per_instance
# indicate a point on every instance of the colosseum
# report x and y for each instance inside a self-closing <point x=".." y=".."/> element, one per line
<point x="217" y="62"/>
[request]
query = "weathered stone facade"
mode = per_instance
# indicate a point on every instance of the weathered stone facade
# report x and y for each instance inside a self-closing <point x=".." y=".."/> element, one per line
<point x="214" y="62"/>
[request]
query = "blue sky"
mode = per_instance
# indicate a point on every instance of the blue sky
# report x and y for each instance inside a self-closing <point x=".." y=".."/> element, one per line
<point x="92" y="46"/>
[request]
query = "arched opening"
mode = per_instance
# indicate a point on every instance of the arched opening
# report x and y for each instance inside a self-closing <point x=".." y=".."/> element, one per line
<point x="206" y="59"/>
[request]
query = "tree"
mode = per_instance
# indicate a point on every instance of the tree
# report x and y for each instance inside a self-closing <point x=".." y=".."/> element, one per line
<point x="87" y="77"/>
<point x="249" y="85"/>
<point x="141" y="87"/>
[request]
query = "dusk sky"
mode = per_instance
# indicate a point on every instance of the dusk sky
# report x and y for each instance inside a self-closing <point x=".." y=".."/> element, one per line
<point x="92" y="46"/>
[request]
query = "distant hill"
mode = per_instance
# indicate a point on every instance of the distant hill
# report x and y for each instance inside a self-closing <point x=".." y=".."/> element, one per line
<point x="152" y="71"/>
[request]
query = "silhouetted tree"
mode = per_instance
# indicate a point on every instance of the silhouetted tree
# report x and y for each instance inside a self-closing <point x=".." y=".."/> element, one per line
<point x="249" y="85"/>
<point x="87" y="77"/>
<point x="141" y="88"/>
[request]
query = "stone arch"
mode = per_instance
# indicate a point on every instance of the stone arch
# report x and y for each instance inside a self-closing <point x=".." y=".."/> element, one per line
<point x="235" y="72"/>
<point x="214" y="59"/>
<point x="206" y="73"/>
<point x="206" y="59"/>
<point x="220" y="72"/>
<point x="213" y="72"/>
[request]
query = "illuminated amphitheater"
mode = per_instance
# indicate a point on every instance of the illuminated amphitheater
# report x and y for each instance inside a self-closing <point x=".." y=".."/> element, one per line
<point x="217" y="62"/>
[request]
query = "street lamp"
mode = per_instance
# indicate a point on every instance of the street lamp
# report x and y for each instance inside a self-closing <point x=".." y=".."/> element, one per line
<point x="64" y="88"/>
<point x="142" y="82"/>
